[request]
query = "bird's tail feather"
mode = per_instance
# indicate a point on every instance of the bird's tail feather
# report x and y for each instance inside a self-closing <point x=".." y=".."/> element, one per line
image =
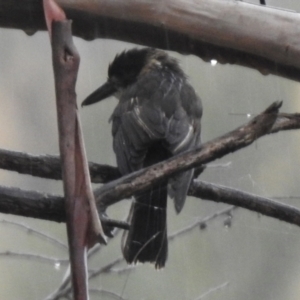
<point x="146" y="240"/>
<point x="178" y="187"/>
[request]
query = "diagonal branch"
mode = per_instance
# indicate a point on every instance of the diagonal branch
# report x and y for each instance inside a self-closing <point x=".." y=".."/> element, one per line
<point x="50" y="207"/>
<point x="48" y="166"/>
<point x="233" y="141"/>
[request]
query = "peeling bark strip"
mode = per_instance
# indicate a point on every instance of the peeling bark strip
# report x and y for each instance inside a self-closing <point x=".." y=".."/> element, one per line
<point x="65" y="65"/>
<point x="230" y="31"/>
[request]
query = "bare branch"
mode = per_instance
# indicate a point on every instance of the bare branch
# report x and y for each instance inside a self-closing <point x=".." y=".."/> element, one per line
<point x="106" y="293"/>
<point x="38" y="257"/>
<point x="64" y="289"/>
<point x="65" y="284"/>
<point x="212" y="290"/>
<point x="107" y="268"/>
<point x="286" y="122"/>
<point x="171" y="237"/>
<point x="38" y="233"/>
<point x="230" y="142"/>
<point x="42" y="206"/>
<point x="84" y="227"/>
<point x="50" y="207"/>
<point x="249" y="201"/>
<point x="32" y="204"/>
<point x="202" y="223"/>
<point x="210" y="29"/>
<point x="48" y="166"/>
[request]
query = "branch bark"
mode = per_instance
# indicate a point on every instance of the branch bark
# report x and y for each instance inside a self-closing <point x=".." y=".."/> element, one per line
<point x="232" y="32"/>
<point x="65" y="64"/>
<point x="49" y="166"/>
<point x="233" y="141"/>
<point x="271" y="208"/>
<point x="41" y="206"/>
<point x="50" y="207"/>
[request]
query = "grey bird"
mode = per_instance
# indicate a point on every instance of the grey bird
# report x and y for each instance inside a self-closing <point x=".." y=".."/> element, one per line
<point x="158" y="116"/>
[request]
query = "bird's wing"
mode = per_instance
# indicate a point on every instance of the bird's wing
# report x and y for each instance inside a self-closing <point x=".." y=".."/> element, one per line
<point x="166" y="112"/>
<point x="184" y="125"/>
<point x="184" y="134"/>
<point x="135" y="128"/>
<point x="138" y="122"/>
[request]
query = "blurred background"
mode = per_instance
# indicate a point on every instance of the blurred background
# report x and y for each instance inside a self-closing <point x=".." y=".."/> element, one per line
<point x="242" y="256"/>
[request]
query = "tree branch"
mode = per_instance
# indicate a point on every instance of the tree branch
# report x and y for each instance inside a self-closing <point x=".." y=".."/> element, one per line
<point x="202" y="223"/>
<point x="48" y="166"/>
<point x="243" y="136"/>
<point x="30" y="230"/>
<point x="271" y="208"/>
<point x="39" y="205"/>
<point x="229" y="31"/>
<point x="50" y="207"/>
<point x="76" y="184"/>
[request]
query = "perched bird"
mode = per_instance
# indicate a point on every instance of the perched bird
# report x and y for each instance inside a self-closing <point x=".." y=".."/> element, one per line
<point x="158" y="116"/>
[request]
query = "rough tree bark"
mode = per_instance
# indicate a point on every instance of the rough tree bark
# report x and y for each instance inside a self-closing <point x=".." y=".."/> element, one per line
<point x="50" y="207"/>
<point x="232" y="32"/>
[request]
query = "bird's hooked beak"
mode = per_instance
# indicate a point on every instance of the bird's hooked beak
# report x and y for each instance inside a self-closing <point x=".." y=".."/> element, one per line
<point x="104" y="91"/>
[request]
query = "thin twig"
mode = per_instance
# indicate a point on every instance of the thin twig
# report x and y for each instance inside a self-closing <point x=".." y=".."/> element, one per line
<point x="106" y="293"/>
<point x="213" y="290"/>
<point x="107" y="268"/>
<point x="38" y="233"/>
<point x="180" y="232"/>
<point x="38" y="257"/>
<point x="64" y="289"/>
<point x="65" y="284"/>
<point x="201" y="222"/>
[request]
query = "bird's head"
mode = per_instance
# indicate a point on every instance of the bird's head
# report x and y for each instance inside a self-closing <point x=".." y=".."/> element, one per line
<point x="122" y="72"/>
